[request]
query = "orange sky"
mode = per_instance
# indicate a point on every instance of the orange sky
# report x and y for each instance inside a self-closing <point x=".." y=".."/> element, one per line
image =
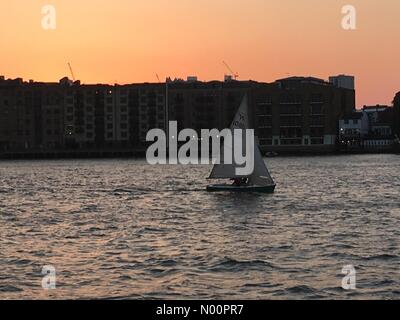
<point x="128" y="41"/>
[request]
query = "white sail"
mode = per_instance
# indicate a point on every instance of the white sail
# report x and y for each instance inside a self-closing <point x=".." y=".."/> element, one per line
<point x="260" y="175"/>
<point x="241" y="121"/>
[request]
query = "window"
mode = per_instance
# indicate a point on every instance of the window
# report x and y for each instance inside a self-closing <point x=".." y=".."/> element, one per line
<point x="317" y="121"/>
<point x="264" y="109"/>
<point x="316" y="109"/>
<point x="265" y="132"/>
<point x="265" y="142"/>
<point x="317" y="98"/>
<point x="290" y="109"/>
<point x="355" y="122"/>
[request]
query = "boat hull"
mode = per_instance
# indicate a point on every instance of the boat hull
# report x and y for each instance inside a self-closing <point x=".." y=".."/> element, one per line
<point x="232" y="188"/>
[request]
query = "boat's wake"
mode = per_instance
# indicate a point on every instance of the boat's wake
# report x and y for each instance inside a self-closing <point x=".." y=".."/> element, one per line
<point x="120" y="191"/>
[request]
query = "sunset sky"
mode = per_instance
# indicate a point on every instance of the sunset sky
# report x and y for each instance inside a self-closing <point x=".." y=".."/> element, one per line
<point x="127" y="41"/>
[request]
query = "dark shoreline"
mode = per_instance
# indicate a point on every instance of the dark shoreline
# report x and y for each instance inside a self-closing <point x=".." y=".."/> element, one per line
<point x="141" y="154"/>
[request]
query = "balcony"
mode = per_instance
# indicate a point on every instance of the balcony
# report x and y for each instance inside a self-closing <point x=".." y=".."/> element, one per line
<point x="291" y="115"/>
<point x="317" y="140"/>
<point x="291" y="103"/>
<point x="291" y="141"/>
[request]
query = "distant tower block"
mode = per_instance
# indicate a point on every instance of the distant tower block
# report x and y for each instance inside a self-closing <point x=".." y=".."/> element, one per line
<point x="343" y="81"/>
<point x="192" y="79"/>
<point x="228" y="78"/>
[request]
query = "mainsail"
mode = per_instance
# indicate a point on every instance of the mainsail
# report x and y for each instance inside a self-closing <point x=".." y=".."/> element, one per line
<point x="260" y="175"/>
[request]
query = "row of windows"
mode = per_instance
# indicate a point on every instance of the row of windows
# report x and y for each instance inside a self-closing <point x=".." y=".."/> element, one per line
<point x="91" y="110"/>
<point x="315" y="98"/>
<point x="7" y="133"/>
<point x="347" y="121"/>
<point x="296" y="141"/>
<point x="267" y="109"/>
<point x="121" y="126"/>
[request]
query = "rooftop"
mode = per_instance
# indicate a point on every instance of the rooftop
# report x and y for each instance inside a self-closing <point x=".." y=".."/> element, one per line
<point x="303" y="80"/>
<point x="353" y="116"/>
<point x="376" y="107"/>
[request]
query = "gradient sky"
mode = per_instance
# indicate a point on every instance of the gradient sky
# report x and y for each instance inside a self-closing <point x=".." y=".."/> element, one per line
<point x="129" y="41"/>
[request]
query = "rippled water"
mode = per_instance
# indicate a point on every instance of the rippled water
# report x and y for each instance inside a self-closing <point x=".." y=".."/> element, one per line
<point x="124" y="229"/>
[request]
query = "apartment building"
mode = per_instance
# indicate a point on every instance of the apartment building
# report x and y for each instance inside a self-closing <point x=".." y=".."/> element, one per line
<point x="297" y="113"/>
<point x="300" y="113"/>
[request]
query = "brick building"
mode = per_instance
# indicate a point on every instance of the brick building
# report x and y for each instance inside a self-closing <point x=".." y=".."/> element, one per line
<point x="295" y="114"/>
<point x="300" y="113"/>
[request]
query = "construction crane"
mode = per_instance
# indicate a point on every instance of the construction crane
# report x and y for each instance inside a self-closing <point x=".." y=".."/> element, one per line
<point x="235" y="75"/>
<point x="158" y="78"/>
<point x="72" y="72"/>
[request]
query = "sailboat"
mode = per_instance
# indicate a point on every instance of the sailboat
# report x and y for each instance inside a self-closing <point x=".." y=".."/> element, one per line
<point x="259" y="181"/>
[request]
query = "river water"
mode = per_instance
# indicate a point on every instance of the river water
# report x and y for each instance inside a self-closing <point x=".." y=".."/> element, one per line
<point x="120" y="229"/>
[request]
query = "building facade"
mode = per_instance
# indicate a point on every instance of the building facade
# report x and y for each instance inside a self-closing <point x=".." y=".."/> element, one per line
<point x="31" y="115"/>
<point x="343" y="81"/>
<point x="300" y="113"/>
<point x="370" y="129"/>
<point x="292" y="114"/>
<point x="353" y="128"/>
<point x="396" y="117"/>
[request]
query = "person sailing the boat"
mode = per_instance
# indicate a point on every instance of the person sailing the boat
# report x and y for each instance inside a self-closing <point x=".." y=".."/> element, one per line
<point x="237" y="182"/>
